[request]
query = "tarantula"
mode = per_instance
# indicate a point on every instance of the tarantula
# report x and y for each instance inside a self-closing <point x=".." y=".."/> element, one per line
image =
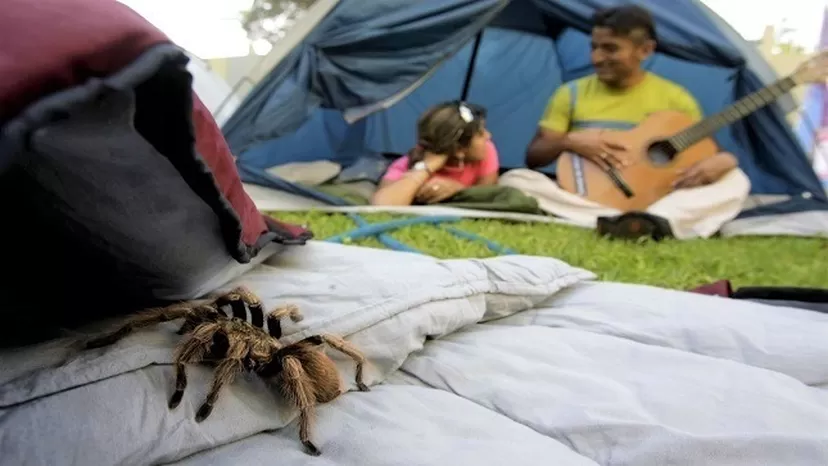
<point x="303" y="373"/>
<point x="238" y="303"/>
<point x="241" y="339"/>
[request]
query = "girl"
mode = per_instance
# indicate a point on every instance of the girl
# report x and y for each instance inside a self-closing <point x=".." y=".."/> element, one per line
<point x="454" y="152"/>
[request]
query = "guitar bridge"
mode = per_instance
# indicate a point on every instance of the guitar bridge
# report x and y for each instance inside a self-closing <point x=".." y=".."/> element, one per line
<point x="619" y="182"/>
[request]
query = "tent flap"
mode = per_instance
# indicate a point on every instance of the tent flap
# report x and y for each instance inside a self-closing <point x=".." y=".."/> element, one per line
<point x="364" y="52"/>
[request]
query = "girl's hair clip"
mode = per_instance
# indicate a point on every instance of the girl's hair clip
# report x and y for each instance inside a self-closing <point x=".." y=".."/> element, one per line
<point x="465" y="113"/>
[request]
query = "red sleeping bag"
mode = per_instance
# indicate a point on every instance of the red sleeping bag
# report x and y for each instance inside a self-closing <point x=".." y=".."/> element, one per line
<point x="116" y="184"/>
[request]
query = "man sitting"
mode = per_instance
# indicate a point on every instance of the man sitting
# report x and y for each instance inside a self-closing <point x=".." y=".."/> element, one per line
<point x="619" y="95"/>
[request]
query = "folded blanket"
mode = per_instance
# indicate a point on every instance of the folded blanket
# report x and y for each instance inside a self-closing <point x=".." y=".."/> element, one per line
<point x="512" y="360"/>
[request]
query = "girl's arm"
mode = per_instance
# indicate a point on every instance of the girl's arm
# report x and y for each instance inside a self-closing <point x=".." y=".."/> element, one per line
<point x="400" y="186"/>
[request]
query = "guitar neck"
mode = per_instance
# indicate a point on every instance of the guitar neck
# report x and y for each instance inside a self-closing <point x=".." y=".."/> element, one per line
<point x="742" y="108"/>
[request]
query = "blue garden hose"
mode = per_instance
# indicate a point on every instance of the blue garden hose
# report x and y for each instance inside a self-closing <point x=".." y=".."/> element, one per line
<point x="494" y="247"/>
<point x="379" y="228"/>
<point x="386" y="240"/>
<point x="379" y="231"/>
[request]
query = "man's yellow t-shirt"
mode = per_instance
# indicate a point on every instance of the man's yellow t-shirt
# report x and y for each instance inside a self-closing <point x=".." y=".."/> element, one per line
<point x="597" y="105"/>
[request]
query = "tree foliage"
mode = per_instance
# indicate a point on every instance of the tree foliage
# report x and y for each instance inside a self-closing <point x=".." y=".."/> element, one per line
<point x="270" y="19"/>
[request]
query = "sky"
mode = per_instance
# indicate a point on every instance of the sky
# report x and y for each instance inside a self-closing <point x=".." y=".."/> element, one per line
<point x="206" y="28"/>
<point x="750" y="17"/>
<point x="210" y="28"/>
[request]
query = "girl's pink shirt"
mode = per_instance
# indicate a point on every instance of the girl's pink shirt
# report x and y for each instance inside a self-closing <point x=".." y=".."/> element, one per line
<point x="468" y="175"/>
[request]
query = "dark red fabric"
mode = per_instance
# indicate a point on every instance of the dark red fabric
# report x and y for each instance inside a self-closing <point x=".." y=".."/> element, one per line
<point x="720" y="288"/>
<point x="53" y="45"/>
<point x="213" y="148"/>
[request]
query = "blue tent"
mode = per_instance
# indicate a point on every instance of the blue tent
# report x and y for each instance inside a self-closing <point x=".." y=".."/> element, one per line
<point x="358" y="81"/>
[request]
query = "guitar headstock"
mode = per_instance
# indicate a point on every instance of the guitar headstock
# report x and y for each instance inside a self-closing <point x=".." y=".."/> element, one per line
<point x="815" y="70"/>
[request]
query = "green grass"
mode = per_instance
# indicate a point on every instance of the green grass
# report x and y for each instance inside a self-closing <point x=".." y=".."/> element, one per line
<point x="747" y="261"/>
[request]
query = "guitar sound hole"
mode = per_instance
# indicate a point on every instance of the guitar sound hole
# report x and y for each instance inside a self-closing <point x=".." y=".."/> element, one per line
<point x="661" y="153"/>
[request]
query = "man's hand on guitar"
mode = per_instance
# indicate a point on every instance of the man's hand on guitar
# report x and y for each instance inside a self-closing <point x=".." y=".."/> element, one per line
<point x="598" y="146"/>
<point x="706" y="172"/>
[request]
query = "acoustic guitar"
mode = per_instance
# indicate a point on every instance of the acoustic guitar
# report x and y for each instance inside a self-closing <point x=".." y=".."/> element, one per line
<point x="666" y="142"/>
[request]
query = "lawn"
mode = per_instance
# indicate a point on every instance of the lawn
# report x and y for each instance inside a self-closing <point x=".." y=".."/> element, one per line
<point x="747" y="261"/>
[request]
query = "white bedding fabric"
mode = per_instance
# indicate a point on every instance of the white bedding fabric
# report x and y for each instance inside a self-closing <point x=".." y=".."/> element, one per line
<point x="515" y="360"/>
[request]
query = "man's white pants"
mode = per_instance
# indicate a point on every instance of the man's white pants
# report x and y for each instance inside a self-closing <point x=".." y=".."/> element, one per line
<point x="692" y="213"/>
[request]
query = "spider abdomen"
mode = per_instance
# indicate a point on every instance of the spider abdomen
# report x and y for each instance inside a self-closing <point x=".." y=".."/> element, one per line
<point x="322" y="370"/>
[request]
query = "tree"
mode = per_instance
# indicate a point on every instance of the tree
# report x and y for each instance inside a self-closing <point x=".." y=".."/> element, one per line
<point x="271" y="19"/>
<point x="783" y="44"/>
<point x="789" y="48"/>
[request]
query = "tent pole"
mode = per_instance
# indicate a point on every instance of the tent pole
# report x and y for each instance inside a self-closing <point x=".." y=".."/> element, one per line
<point x="472" y="62"/>
<point x="233" y="92"/>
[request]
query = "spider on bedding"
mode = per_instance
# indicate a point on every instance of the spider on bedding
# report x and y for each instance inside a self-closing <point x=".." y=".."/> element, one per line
<point x="303" y="373"/>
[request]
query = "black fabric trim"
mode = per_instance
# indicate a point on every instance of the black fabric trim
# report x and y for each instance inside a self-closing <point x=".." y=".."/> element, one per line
<point x="808" y="295"/>
<point x="282" y="235"/>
